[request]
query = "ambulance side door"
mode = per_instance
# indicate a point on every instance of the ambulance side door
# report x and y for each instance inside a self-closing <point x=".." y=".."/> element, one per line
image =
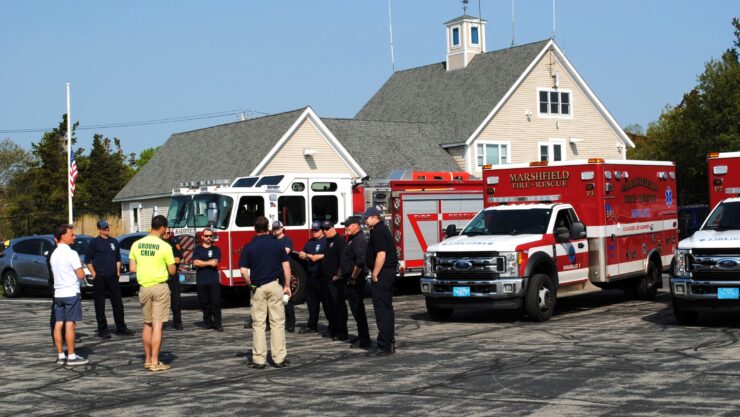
<point x="572" y="254"/>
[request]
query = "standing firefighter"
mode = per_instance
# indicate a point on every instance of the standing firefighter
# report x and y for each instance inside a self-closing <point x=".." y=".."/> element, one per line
<point x="354" y="271"/>
<point x="382" y="259"/>
<point x="313" y="254"/>
<point x="103" y="259"/>
<point x="205" y="259"/>
<point x="263" y="262"/>
<point x="278" y="230"/>
<point x="334" y="284"/>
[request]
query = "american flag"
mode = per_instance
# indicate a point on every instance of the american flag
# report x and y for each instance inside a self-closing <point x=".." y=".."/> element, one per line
<point x="72" y="174"/>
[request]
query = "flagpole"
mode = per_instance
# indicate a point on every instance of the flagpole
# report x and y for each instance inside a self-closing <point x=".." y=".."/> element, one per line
<point x="69" y="156"/>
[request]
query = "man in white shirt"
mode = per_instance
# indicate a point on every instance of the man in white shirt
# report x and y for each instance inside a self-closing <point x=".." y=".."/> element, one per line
<point x="67" y="269"/>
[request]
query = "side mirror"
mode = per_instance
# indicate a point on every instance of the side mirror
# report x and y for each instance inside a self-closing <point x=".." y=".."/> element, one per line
<point x="562" y="234"/>
<point x="212" y="214"/>
<point x="451" y="230"/>
<point x="578" y="231"/>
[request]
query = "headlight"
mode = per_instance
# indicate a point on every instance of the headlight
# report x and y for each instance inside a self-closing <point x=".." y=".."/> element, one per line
<point x="429" y="271"/>
<point x="681" y="268"/>
<point x="512" y="261"/>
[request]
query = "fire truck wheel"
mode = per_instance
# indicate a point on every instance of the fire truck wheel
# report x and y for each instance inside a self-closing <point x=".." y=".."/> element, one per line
<point x="436" y="313"/>
<point x="682" y="315"/>
<point x="297" y="282"/>
<point x="540" y="301"/>
<point x="647" y="286"/>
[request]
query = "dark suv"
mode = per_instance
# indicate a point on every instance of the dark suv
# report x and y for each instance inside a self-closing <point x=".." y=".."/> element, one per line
<point x="23" y="265"/>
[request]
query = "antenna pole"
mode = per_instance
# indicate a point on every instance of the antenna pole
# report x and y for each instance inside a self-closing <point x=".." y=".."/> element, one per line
<point x="553" y="19"/>
<point x="481" y="41"/>
<point x="513" y="32"/>
<point x="390" y="30"/>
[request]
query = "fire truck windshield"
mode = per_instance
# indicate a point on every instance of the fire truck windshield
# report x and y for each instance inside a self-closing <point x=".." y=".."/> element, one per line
<point x="509" y="222"/>
<point x="188" y="211"/>
<point x="725" y="217"/>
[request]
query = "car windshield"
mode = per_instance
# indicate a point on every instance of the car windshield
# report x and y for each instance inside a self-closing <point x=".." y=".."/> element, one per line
<point x="725" y="217"/>
<point x="193" y="212"/>
<point x="509" y="222"/>
<point x="81" y="244"/>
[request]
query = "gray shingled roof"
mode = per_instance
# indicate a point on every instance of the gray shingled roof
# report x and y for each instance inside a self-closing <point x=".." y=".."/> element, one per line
<point x="219" y="152"/>
<point x="380" y="147"/>
<point x="460" y="99"/>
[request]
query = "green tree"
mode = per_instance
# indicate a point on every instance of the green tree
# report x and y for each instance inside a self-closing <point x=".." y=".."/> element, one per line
<point x="37" y="197"/>
<point x="706" y="120"/>
<point x="102" y="175"/>
<point x="13" y="159"/>
<point x="144" y="157"/>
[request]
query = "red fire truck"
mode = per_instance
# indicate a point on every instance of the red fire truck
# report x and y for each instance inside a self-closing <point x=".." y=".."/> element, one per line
<point x="418" y="205"/>
<point x="551" y="229"/>
<point x="724" y="176"/>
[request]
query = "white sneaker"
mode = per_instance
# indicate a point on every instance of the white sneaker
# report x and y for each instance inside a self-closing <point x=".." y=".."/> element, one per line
<point x="78" y="360"/>
<point x="60" y="361"/>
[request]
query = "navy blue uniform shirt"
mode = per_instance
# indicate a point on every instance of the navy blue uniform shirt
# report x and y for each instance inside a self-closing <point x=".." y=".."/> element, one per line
<point x="103" y="254"/>
<point x="206" y="274"/>
<point x="334" y="249"/>
<point x="381" y="241"/>
<point x="286" y="242"/>
<point x="314" y="247"/>
<point x="264" y="256"/>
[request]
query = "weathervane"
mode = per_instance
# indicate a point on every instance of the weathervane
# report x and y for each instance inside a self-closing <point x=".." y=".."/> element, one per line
<point x="465" y="6"/>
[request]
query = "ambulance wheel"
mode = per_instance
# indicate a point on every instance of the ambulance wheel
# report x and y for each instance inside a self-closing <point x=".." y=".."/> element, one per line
<point x="437" y="313"/>
<point x="647" y="287"/>
<point x="541" y="295"/>
<point x="297" y="282"/>
<point x="683" y="316"/>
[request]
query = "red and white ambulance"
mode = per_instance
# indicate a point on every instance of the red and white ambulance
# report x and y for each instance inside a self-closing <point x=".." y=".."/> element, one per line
<point x="551" y="229"/>
<point x="417" y="205"/>
<point x="706" y="273"/>
<point x="724" y="176"/>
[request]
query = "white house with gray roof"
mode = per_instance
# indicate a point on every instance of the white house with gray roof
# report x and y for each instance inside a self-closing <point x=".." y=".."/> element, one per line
<point x="519" y="104"/>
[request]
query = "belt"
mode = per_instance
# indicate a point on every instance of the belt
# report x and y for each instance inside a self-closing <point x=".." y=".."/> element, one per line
<point x="264" y="283"/>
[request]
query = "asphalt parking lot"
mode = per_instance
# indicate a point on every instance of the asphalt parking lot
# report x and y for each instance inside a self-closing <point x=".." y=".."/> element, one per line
<point x="599" y="355"/>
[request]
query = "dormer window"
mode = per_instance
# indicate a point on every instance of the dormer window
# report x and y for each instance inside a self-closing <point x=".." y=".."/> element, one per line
<point x="555" y="102"/>
<point x="456" y="36"/>
<point x="474" y="35"/>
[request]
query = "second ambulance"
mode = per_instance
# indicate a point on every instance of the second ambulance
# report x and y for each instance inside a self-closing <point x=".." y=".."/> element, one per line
<point x="551" y="229"/>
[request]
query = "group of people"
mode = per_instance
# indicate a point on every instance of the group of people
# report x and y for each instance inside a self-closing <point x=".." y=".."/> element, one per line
<point x="337" y="272"/>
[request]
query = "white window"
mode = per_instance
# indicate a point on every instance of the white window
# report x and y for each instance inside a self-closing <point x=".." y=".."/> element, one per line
<point x="554" y="102"/>
<point x="492" y="153"/>
<point x="552" y="151"/>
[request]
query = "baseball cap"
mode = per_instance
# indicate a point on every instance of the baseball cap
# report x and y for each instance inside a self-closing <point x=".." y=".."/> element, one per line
<point x="352" y="220"/>
<point x="371" y="211"/>
<point x="102" y="224"/>
<point x="277" y="224"/>
<point x="316" y="225"/>
<point x="327" y="224"/>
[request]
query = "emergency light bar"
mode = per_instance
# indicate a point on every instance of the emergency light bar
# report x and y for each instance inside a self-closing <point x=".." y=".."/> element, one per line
<point x="523" y="199"/>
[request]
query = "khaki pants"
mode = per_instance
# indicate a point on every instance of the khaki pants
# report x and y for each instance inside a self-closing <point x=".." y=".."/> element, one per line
<point x="268" y="297"/>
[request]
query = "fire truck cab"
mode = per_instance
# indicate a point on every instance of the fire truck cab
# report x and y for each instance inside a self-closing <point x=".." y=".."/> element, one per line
<point x="706" y="273"/>
<point x="551" y="229"/>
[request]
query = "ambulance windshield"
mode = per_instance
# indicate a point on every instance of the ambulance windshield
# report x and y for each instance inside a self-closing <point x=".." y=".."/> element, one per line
<point x="725" y="217"/>
<point x="509" y="222"/>
<point x="185" y="211"/>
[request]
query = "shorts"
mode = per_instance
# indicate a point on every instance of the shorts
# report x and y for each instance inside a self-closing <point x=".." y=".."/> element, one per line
<point x="155" y="303"/>
<point x="68" y="308"/>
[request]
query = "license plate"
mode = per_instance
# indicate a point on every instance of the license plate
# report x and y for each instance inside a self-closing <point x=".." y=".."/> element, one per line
<point x="461" y="291"/>
<point x="182" y="277"/>
<point x="123" y="278"/>
<point x="728" y="293"/>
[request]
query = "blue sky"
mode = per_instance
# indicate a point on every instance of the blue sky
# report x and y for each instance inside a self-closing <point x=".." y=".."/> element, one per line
<point x="151" y="60"/>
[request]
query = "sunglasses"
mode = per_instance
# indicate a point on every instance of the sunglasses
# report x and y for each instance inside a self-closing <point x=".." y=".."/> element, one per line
<point x="207" y="235"/>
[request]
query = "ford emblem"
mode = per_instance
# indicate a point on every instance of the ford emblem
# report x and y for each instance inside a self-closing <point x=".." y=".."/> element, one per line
<point x="727" y="263"/>
<point x="462" y="266"/>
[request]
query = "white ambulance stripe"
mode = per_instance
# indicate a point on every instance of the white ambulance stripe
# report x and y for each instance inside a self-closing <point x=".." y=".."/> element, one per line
<point x="628" y="229"/>
<point x="626" y="268"/>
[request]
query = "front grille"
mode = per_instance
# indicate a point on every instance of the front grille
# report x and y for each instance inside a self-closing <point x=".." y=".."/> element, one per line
<point x="715" y="265"/>
<point x="710" y="252"/>
<point x="464" y="276"/>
